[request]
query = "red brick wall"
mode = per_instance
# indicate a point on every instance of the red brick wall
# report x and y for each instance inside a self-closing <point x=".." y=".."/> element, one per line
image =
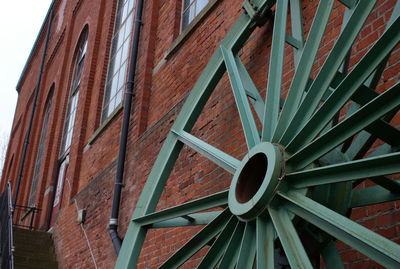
<point x="161" y="87"/>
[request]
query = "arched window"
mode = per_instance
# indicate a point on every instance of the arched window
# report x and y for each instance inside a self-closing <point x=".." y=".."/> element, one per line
<point x="74" y="93"/>
<point x="117" y="69"/>
<point x="39" y="155"/>
<point x="70" y="120"/>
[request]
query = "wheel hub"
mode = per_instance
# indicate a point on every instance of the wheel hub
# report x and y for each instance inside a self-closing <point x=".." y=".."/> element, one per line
<point x="255" y="181"/>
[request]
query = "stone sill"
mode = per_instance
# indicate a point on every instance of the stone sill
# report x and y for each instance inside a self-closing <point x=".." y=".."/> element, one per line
<point x="105" y="124"/>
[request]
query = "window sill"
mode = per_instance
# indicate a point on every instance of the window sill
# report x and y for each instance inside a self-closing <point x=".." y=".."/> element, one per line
<point x="105" y="124"/>
<point x="189" y="29"/>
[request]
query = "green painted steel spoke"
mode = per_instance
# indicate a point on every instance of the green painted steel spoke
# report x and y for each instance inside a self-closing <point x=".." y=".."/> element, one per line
<point x="371" y="196"/>
<point x="386" y="132"/>
<point x="188" y="220"/>
<point x="357" y="144"/>
<point x="384" y="149"/>
<point x="296" y="17"/>
<point x="289" y="238"/>
<point x="380" y="128"/>
<point x="365" y="116"/>
<point x="262" y="4"/>
<point x="211" y="201"/>
<point x="265" y="243"/>
<point x="349" y="3"/>
<point x="373" y="245"/>
<point x="330" y="254"/>
<point x="215" y="155"/>
<point x="198" y="241"/>
<point x="277" y="54"/>
<point x="395" y="14"/>
<point x="365" y="168"/>
<point x="374" y="78"/>
<point x="248" y="247"/>
<point x="251" y="90"/>
<point x="242" y="103"/>
<point x="329" y="69"/>
<point x="363" y="95"/>
<point x="333" y="157"/>
<point x="387" y="183"/>
<point x="293" y="42"/>
<point x="300" y="78"/>
<point x="229" y="261"/>
<point x="347" y="88"/>
<point x="219" y="246"/>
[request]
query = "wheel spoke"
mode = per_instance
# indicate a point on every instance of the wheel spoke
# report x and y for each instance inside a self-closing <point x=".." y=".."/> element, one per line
<point x="188" y="220"/>
<point x="347" y="88"/>
<point x="384" y="149"/>
<point x="242" y="103"/>
<point x="228" y="261"/>
<point x="329" y="69"/>
<point x="218" y="248"/>
<point x="373" y="80"/>
<point x="215" y="155"/>
<point x="198" y="241"/>
<point x="386" y="132"/>
<point x="251" y="90"/>
<point x="349" y="3"/>
<point x="380" y="128"/>
<point x="277" y="54"/>
<point x="248" y="247"/>
<point x="357" y="145"/>
<point x="362" y="143"/>
<point x="289" y="238"/>
<point x="300" y="78"/>
<point x="265" y="243"/>
<point x="296" y="17"/>
<point x="365" y="116"/>
<point x="371" y="196"/>
<point x="365" y="168"/>
<point x="211" y="201"/>
<point x="387" y="183"/>
<point x="378" y="248"/>
<point x="331" y="256"/>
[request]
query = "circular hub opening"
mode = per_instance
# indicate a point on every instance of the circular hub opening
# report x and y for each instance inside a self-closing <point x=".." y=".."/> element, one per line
<point x="255" y="181"/>
<point x="251" y="177"/>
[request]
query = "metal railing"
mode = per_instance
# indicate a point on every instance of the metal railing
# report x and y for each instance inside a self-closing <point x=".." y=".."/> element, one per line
<point x="6" y="230"/>
<point x="26" y="211"/>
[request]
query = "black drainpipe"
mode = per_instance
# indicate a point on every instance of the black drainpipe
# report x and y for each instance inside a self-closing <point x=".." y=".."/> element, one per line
<point x="117" y="242"/>
<point x="28" y="132"/>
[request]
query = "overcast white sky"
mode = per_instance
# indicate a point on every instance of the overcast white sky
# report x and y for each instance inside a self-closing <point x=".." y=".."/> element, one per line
<point x="20" y="22"/>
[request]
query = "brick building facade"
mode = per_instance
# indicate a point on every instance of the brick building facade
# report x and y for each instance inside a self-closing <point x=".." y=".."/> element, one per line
<point x="77" y="123"/>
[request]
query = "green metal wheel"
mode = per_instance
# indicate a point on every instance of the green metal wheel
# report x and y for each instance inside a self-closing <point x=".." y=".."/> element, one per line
<point x="295" y="188"/>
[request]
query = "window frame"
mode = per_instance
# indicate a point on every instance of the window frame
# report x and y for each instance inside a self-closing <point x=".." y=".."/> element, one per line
<point x="196" y="12"/>
<point x="73" y="98"/>
<point x="118" y="73"/>
<point x="40" y="151"/>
